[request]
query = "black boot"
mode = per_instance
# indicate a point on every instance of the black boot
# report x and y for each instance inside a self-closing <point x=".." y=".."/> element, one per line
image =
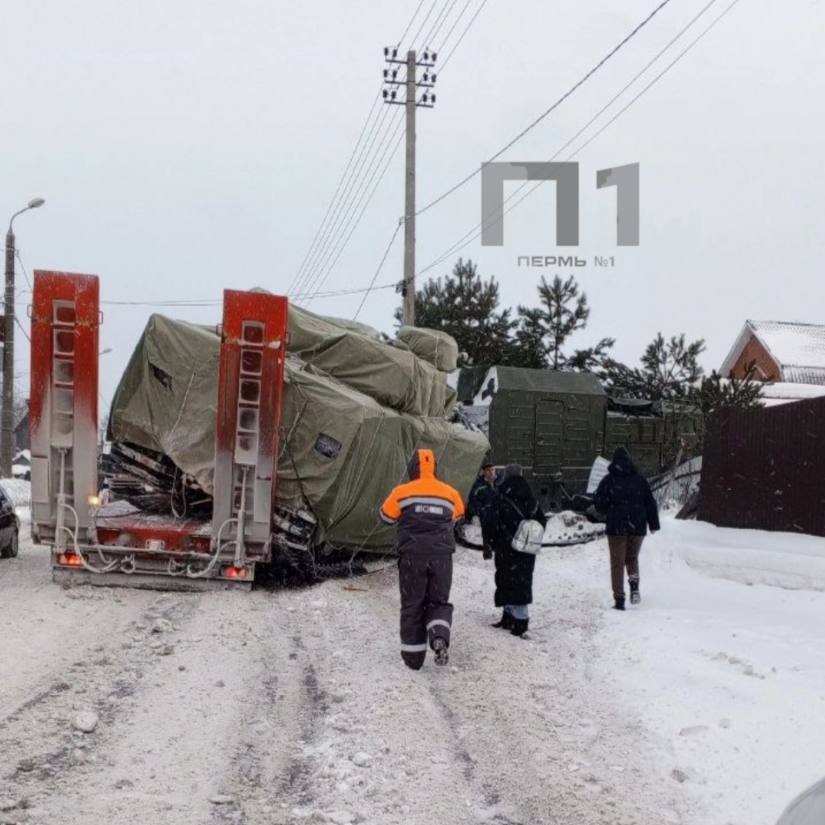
<point x="505" y="622"/>
<point x="520" y="627"/>
<point x="441" y="650"/>
<point x="619" y="605"/>
<point x="635" y="595"/>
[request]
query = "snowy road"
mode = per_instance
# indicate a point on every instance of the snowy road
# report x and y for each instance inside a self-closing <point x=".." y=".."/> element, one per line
<point x="294" y="706"/>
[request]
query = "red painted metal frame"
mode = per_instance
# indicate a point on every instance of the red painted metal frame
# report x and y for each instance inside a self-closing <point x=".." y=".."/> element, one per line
<point x="50" y="290"/>
<point x="83" y="291"/>
<point x="270" y="312"/>
<point x="177" y="536"/>
<point x="267" y="313"/>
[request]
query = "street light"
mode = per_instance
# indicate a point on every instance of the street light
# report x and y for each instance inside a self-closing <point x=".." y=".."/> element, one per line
<point x="7" y="445"/>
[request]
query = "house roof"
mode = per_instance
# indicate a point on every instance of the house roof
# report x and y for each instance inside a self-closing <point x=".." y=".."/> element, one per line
<point x="798" y="349"/>
<point x="773" y="395"/>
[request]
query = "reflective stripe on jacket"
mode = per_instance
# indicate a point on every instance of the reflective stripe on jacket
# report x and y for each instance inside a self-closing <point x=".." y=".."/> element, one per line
<point x="424" y="509"/>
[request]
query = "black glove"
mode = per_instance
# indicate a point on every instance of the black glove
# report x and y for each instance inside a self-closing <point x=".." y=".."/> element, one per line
<point x="487" y="552"/>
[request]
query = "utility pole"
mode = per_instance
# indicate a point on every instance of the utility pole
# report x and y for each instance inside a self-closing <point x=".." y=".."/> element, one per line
<point x="8" y="422"/>
<point x="410" y="103"/>
<point x="7" y="451"/>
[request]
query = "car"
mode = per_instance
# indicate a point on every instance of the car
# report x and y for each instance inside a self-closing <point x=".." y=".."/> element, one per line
<point x="9" y="527"/>
<point x="807" y="809"/>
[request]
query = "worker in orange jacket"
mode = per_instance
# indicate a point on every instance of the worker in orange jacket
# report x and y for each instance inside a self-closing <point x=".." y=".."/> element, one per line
<point x="425" y="510"/>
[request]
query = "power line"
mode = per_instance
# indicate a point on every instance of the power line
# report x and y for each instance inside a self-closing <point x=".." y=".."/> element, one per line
<point x="350" y="203"/>
<point x="360" y="156"/>
<point x="409" y="25"/>
<point x="463" y="34"/>
<point x="365" y="161"/>
<point x="22" y="329"/>
<point x="332" y="264"/>
<point x="210" y="302"/>
<point x="475" y="233"/>
<point x="296" y="279"/>
<point x="444" y="42"/>
<point x="335" y="194"/>
<point x="424" y="22"/>
<point x="23" y="267"/>
<point x="441" y="20"/>
<point x="372" y="286"/>
<point x="658" y="77"/>
<point x="453" y="27"/>
<point x="331" y="246"/>
<point x="549" y="110"/>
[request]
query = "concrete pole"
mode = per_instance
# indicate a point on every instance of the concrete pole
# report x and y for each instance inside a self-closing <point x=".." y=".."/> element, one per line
<point x="409" y="197"/>
<point x="7" y="446"/>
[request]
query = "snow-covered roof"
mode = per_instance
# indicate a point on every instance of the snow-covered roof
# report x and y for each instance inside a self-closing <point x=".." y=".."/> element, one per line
<point x="798" y="349"/>
<point x="784" y="393"/>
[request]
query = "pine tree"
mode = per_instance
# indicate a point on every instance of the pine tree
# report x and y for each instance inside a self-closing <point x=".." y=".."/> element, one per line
<point x="465" y="305"/>
<point x="543" y="331"/>
<point x="670" y="371"/>
<point x="530" y="349"/>
<point x="563" y="312"/>
<point x="593" y="359"/>
<point x="715" y="392"/>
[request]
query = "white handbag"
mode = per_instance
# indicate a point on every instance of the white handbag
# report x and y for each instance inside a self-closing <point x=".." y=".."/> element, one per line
<point x="529" y="535"/>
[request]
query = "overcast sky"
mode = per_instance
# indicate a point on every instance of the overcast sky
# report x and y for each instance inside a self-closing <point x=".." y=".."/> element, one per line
<point x="186" y="146"/>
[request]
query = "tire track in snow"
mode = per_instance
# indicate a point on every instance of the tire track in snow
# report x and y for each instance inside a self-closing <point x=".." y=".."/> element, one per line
<point x="37" y="737"/>
<point x="275" y="768"/>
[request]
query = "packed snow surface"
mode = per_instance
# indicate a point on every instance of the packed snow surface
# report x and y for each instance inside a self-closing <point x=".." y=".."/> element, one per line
<point x="706" y="704"/>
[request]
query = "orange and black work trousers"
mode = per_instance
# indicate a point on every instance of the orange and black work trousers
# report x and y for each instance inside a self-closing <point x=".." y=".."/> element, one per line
<point x="624" y="553"/>
<point x="426" y="612"/>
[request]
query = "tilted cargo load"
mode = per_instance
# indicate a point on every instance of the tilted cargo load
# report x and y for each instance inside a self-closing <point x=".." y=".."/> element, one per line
<point x="437" y="347"/>
<point x="393" y="376"/>
<point x="354" y="409"/>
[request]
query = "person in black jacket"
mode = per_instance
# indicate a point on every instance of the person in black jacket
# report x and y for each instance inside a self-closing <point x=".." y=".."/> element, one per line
<point x="624" y="496"/>
<point x="482" y="497"/>
<point x="514" y="502"/>
<point x="483" y="492"/>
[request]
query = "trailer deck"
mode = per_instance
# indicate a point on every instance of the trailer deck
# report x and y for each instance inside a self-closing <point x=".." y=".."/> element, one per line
<point x="118" y="543"/>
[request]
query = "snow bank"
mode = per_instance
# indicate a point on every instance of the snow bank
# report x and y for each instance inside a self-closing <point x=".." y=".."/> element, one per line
<point x="789" y="560"/>
<point x="726" y="671"/>
<point x="568" y="527"/>
<point x="562" y="529"/>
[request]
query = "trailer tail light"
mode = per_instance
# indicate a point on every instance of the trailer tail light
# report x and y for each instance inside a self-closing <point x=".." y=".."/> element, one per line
<point x="231" y="572"/>
<point x="69" y="560"/>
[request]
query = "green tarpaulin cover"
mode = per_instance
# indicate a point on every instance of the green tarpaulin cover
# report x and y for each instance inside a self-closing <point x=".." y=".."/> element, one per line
<point x="354" y="410"/>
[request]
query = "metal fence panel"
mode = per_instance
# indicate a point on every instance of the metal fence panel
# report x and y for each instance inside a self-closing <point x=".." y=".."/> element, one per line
<point x="764" y="468"/>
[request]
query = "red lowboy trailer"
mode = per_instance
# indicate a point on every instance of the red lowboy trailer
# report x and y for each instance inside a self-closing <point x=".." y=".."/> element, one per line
<point x="116" y="543"/>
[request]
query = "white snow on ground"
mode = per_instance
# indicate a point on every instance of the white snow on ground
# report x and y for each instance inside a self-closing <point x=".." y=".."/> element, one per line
<point x="728" y="673"/>
<point x="704" y="705"/>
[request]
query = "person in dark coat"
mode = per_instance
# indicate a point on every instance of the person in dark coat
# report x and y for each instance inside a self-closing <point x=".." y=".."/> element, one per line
<point x="482" y="497"/>
<point x="482" y="493"/>
<point x="625" y="498"/>
<point x="514" y="503"/>
<point x="425" y="510"/>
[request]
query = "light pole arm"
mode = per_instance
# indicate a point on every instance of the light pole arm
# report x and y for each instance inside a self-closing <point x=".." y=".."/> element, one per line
<point x="11" y="220"/>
